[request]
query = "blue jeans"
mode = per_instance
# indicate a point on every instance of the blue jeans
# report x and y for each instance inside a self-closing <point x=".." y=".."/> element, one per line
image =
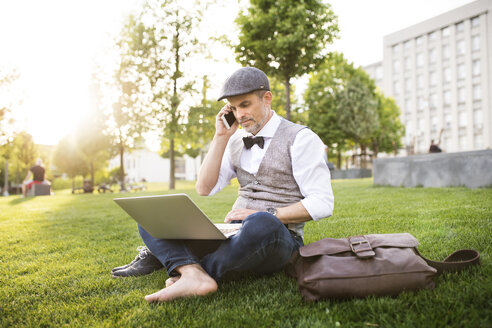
<point x="263" y="245"/>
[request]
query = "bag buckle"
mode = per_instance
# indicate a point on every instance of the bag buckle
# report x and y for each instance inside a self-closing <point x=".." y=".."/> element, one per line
<point x="361" y="247"/>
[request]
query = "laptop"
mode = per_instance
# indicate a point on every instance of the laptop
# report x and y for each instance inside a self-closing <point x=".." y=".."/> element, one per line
<point x="174" y="217"/>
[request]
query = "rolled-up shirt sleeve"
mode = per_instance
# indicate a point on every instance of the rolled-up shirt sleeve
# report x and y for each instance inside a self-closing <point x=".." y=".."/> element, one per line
<point x="226" y="173"/>
<point x="312" y="174"/>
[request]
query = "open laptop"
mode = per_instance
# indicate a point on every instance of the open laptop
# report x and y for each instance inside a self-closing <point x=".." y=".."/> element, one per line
<point x="174" y="217"/>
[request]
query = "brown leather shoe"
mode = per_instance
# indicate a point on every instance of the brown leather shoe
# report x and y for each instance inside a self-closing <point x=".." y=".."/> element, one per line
<point x="144" y="263"/>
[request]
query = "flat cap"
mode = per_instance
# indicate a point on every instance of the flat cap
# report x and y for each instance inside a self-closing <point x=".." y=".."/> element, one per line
<point x="243" y="81"/>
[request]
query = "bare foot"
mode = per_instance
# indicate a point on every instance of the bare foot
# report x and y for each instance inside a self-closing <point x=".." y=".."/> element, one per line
<point x="171" y="280"/>
<point x="194" y="281"/>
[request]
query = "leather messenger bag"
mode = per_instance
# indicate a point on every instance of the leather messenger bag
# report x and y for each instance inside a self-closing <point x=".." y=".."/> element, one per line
<point x="379" y="264"/>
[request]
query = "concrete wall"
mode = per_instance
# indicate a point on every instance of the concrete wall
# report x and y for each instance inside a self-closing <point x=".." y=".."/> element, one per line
<point x="472" y="169"/>
<point x="351" y="174"/>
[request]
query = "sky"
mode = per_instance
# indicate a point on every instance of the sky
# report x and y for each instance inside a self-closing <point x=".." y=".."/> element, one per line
<point x="54" y="45"/>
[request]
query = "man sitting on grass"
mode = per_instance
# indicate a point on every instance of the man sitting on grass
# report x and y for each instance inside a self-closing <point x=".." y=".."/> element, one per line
<point x="284" y="182"/>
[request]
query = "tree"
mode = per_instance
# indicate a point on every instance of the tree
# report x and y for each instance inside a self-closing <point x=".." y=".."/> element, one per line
<point x="7" y="77"/>
<point x="129" y="112"/>
<point x="320" y="97"/>
<point x="387" y="138"/>
<point x="91" y="141"/>
<point x="162" y="39"/>
<point x="200" y="127"/>
<point x="68" y="158"/>
<point x="285" y="38"/>
<point x="23" y="155"/>
<point x="357" y="112"/>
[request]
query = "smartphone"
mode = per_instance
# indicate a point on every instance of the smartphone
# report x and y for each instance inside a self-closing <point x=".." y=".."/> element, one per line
<point x="229" y="119"/>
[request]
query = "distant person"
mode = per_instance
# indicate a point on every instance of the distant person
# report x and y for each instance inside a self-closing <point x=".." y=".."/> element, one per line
<point x="434" y="148"/>
<point x="88" y="188"/>
<point x="35" y="175"/>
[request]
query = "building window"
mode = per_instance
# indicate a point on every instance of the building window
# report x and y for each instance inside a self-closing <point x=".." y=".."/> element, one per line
<point x="433" y="122"/>
<point x="420" y="59"/>
<point x="462" y="119"/>
<point x="478" y="142"/>
<point x="447" y="97"/>
<point x="460" y="48"/>
<point x="447" y="121"/>
<point x="462" y="142"/>
<point x="433" y="100"/>
<point x="407" y="63"/>
<point x="477" y="92"/>
<point x="460" y="27"/>
<point x="433" y="78"/>
<point x="432" y="56"/>
<point x="446" y="53"/>
<point x="475" y="21"/>
<point x="445" y="32"/>
<point x="396" y="87"/>
<point x="420" y="104"/>
<point x="420" y="81"/>
<point x="396" y="49"/>
<point x="408" y="105"/>
<point x="478" y="119"/>
<point x="396" y="66"/>
<point x="461" y="95"/>
<point x="461" y="71"/>
<point x="406" y="45"/>
<point x="419" y="41"/>
<point x="379" y="73"/>
<point x="446" y="75"/>
<point x="408" y="85"/>
<point x="476" y="67"/>
<point x="476" y="43"/>
<point x="432" y="36"/>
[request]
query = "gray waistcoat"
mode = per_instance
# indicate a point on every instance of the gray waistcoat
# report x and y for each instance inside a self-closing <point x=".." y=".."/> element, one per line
<point x="274" y="184"/>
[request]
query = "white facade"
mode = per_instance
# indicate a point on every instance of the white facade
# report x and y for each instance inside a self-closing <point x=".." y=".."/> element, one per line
<point x="439" y="72"/>
<point x="143" y="164"/>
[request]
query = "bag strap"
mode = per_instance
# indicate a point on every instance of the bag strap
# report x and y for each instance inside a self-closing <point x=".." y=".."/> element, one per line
<point x="456" y="261"/>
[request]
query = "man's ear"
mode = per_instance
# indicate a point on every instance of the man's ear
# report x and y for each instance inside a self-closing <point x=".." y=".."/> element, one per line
<point x="267" y="98"/>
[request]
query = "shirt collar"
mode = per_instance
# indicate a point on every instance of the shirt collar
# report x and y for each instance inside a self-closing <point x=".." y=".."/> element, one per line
<point x="270" y="128"/>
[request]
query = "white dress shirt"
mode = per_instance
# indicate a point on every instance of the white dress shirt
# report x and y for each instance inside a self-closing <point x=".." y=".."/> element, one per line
<point x="308" y="165"/>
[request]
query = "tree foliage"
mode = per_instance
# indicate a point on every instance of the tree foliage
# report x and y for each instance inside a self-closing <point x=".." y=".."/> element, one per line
<point x="387" y="138"/>
<point x="320" y="98"/>
<point x="160" y="42"/>
<point x="285" y="38"/>
<point x="129" y="115"/>
<point x="91" y="141"/>
<point x="68" y="158"/>
<point x="346" y="109"/>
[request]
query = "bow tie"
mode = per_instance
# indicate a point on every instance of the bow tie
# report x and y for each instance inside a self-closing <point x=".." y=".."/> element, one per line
<point x="250" y="141"/>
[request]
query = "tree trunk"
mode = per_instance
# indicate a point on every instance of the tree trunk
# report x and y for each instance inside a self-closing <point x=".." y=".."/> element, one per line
<point x="122" y="168"/>
<point x="363" y="156"/>
<point x="172" y="178"/>
<point x="92" y="173"/>
<point x="375" y="149"/>
<point x="6" y="182"/>
<point x="339" y="159"/>
<point x="287" y="98"/>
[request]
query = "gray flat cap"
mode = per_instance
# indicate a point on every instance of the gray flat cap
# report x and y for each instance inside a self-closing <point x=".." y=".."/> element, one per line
<point x="244" y="80"/>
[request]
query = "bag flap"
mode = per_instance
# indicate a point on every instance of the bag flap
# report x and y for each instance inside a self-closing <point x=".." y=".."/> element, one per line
<point x="330" y="246"/>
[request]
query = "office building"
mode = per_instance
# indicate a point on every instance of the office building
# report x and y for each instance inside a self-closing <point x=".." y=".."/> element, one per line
<point x="439" y="72"/>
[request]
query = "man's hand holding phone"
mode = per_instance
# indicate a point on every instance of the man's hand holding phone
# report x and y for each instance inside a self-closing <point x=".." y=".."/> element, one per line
<point x="226" y="123"/>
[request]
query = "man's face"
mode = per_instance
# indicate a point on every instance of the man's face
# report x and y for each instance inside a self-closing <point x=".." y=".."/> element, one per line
<point x="250" y="111"/>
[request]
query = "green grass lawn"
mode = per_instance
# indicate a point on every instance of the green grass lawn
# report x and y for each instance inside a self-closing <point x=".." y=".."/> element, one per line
<point x="57" y="253"/>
